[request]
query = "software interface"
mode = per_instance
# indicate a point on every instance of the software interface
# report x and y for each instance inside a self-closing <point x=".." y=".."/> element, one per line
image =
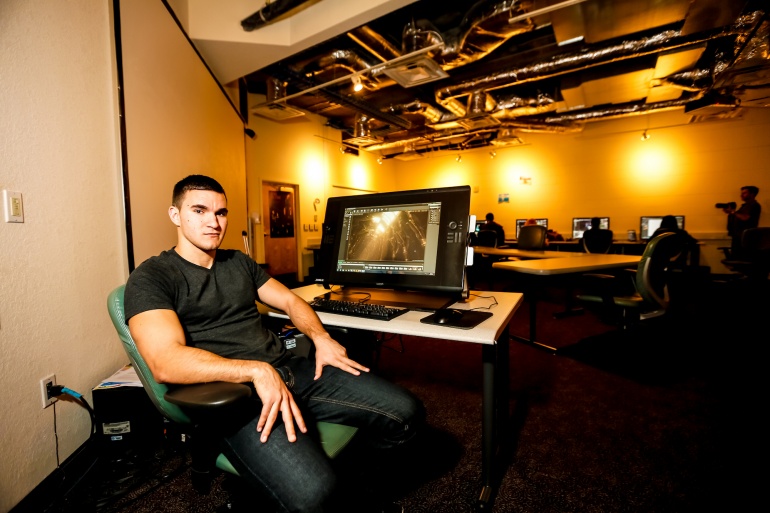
<point x="648" y="225"/>
<point x="520" y="223"/>
<point x="396" y="239"/>
<point x="581" y="224"/>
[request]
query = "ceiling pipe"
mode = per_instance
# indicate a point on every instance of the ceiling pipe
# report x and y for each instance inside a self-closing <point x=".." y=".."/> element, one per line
<point x="589" y="58"/>
<point x="275" y="10"/>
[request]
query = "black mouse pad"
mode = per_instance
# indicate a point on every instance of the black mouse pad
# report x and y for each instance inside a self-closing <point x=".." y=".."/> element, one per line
<point x="470" y="319"/>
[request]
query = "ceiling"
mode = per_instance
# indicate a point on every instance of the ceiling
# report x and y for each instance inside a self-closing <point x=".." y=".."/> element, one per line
<point x="449" y="75"/>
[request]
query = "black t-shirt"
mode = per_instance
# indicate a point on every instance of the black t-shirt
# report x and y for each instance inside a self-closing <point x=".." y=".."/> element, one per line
<point x="216" y="307"/>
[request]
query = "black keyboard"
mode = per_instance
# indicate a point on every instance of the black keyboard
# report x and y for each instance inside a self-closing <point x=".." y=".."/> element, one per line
<point x="356" y="309"/>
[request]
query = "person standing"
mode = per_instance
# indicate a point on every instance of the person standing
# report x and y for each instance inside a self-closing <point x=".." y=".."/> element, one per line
<point x="745" y="217"/>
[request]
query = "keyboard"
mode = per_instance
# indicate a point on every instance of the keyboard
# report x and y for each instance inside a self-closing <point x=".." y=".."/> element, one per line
<point x="357" y="309"/>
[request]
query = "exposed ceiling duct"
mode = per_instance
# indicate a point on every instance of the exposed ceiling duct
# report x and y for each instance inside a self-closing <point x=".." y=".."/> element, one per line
<point x="484" y="74"/>
<point x="274" y="10"/>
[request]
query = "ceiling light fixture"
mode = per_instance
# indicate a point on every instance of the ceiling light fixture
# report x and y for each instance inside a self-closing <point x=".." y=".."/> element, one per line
<point x="645" y="135"/>
<point x="459" y="158"/>
<point x="492" y="154"/>
<point x="379" y="160"/>
<point x="357" y="85"/>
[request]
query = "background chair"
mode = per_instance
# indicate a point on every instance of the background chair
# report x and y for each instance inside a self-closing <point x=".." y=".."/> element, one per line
<point x="487" y="239"/>
<point x="752" y="259"/>
<point x="640" y="294"/>
<point x="596" y="241"/>
<point x="532" y="237"/>
<point x="197" y="407"/>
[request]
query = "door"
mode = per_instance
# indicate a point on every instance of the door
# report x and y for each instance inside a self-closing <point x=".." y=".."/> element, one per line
<point x="279" y="213"/>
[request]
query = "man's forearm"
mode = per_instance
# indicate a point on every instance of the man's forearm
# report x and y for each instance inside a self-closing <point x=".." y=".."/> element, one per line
<point x="187" y="365"/>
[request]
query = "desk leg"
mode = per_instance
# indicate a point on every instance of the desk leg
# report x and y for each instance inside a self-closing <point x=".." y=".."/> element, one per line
<point x="530" y="292"/>
<point x="488" y="428"/>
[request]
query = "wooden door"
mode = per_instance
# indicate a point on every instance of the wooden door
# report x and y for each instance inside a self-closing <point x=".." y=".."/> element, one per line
<point x="280" y="229"/>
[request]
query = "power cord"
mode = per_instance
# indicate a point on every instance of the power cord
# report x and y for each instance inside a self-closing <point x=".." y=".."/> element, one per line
<point x="58" y="390"/>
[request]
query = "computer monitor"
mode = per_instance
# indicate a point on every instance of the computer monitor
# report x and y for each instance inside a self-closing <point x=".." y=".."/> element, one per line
<point x="520" y="223"/>
<point x="581" y="224"/>
<point x="404" y="241"/>
<point x="648" y="225"/>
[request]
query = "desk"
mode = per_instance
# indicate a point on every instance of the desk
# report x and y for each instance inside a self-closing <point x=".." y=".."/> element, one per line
<point x="493" y="334"/>
<point x="559" y="266"/>
<point x="524" y="253"/>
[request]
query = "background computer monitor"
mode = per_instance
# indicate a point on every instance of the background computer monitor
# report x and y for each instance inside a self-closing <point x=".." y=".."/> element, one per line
<point x="581" y="224"/>
<point x="648" y="225"/>
<point x="406" y="240"/>
<point x="520" y="222"/>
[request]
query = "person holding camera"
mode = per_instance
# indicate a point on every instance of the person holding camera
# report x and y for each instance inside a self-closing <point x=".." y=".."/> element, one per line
<point x="747" y="216"/>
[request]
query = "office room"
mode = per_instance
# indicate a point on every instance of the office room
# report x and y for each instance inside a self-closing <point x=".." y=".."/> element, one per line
<point x="585" y="434"/>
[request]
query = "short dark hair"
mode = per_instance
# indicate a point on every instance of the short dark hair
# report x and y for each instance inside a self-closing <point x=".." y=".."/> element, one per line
<point x="490" y="217"/>
<point x="753" y="189"/>
<point x="194" y="183"/>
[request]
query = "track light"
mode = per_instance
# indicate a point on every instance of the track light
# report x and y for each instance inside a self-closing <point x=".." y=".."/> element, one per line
<point x="357" y="85"/>
<point x="459" y="158"/>
<point x="645" y="135"/>
<point x="492" y="154"/>
<point x="379" y="160"/>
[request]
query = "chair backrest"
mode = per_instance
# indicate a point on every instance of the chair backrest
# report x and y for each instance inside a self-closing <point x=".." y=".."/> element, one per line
<point x="532" y="237"/>
<point x="652" y="271"/>
<point x="597" y="241"/>
<point x="487" y="238"/>
<point x="155" y="390"/>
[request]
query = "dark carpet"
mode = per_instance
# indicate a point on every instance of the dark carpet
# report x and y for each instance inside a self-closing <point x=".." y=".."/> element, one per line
<point x="665" y="417"/>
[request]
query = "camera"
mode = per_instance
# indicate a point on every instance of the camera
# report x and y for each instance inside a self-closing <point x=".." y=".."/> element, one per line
<point x="730" y="205"/>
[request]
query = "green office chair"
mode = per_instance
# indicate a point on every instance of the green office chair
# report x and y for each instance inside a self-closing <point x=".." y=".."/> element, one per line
<point x="644" y="296"/>
<point x="596" y="241"/>
<point x="192" y="405"/>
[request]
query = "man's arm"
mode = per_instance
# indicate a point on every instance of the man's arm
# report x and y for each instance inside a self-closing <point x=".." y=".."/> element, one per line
<point x="160" y="339"/>
<point x="327" y="350"/>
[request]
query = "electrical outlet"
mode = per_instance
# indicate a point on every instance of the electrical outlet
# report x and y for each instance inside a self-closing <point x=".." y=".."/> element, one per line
<point x="45" y="386"/>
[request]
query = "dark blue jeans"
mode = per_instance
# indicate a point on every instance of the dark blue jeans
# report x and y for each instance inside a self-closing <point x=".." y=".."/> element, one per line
<point x="298" y="476"/>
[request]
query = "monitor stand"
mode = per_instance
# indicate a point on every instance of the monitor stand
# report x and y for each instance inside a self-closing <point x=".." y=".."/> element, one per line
<point x="414" y="300"/>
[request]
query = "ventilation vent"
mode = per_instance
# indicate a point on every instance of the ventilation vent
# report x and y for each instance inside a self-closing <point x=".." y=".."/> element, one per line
<point x="277" y="112"/>
<point x="416" y="72"/>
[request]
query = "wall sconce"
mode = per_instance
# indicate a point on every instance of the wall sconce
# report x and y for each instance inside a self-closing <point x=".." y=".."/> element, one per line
<point x="458" y="158"/>
<point x="645" y="135"/>
<point x="492" y="154"/>
<point x="525" y="180"/>
<point x="357" y="85"/>
<point x="348" y="150"/>
<point x="379" y="160"/>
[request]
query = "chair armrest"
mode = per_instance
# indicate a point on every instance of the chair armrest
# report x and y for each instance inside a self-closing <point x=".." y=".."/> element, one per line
<point x="208" y="397"/>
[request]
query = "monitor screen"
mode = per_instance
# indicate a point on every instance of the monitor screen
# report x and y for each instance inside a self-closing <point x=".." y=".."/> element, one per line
<point x="520" y="223"/>
<point x="581" y="224"/>
<point x="648" y="225"/>
<point x="407" y="240"/>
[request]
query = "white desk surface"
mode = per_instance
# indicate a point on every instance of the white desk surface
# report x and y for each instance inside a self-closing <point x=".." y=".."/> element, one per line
<point x="409" y="323"/>
<point x="566" y="265"/>
<point x="525" y="253"/>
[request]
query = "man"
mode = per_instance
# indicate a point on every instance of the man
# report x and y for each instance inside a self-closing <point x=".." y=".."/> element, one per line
<point x="747" y="216"/>
<point x="490" y="224"/>
<point x="192" y="313"/>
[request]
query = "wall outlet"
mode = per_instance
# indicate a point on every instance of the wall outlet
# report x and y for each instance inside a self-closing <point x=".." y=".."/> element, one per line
<point x="45" y="386"/>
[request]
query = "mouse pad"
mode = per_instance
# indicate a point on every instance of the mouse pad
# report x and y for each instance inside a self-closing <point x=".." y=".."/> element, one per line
<point x="470" y="319"/>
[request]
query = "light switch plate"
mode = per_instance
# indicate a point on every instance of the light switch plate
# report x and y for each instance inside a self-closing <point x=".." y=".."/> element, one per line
<point x="13" y="208"/>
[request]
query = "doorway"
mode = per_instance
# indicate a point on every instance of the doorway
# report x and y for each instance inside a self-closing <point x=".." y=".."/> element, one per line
<point x="279" y="210"/>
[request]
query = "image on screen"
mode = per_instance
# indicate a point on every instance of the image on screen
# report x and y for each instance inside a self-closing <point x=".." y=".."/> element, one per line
<point x="581" y="224"/>
<point x="520" y="223"/>
<point x="648" y="225"/>
<point x="392" y="239"/>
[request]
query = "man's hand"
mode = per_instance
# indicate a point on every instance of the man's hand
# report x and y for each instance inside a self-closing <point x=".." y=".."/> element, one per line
<point x="276" y="397"/>
<point x="329" y="352"/>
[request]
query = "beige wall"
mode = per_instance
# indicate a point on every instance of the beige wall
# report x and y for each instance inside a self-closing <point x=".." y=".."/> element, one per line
<point x="178" y="122"/>
<point x="58" y="147"/>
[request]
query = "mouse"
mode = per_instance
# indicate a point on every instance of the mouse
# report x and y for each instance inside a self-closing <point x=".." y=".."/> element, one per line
<point x="447" y="316"/>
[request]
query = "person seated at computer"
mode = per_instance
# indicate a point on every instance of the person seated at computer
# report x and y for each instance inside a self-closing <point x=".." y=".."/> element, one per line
<point x="596" y="239"/>
<point x="553" y="235"/>
<point x="491" y="225"/>
<point x="192" y="312"/>
<point x="689" y="243"/>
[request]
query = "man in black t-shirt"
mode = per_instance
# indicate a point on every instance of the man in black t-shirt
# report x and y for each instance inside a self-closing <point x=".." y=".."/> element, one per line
<point x="192" y="313"/>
